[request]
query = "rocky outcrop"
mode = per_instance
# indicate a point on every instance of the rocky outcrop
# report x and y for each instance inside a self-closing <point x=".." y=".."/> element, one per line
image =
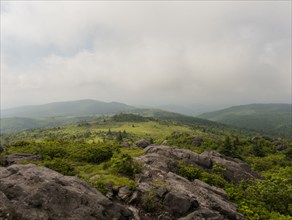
<point x="166" y="158"/>
<point x="233" y="169"/>
<point x="167" y="196"/>
<point x="33" y="192"/>
<point x="18" y="158"/>
<point x="162" y="194"/>
<point x="30" y="192"/>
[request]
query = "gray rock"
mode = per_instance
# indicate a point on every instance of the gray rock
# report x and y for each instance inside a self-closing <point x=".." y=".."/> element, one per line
<point x="164" y="157"/>
<point x="234" y="169"/>
<point x="142" y="143"/>
<point x="124" y="193"/>
<point x="203" y="214"/>
<point x="181" y="199"/>
<point x="134" y="198"/>
<point x="197" y="141"/>
<point x="126" y="144"/>
<point x="31" y="192"/>
<point x="19" y="157"/>
<point x="179" y="204"/>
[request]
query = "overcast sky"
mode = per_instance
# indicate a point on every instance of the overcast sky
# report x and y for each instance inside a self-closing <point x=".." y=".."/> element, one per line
<point x="151" y="53"/>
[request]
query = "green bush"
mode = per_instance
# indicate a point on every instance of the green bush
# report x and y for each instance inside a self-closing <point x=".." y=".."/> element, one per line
<point x="262" y="199"/>
<point x="51" y="152"/>
<point x="92" y="153"/>
<point x="189" y="172"/>
<point x="105" y="182"/>
<point x="61" y="166"/>
<point x="230" y="149"/>
<point x="21" y="143"/>
<point x="125" y="165"/>
<point x="213" y="179"/>
<point x="47" y="149"/>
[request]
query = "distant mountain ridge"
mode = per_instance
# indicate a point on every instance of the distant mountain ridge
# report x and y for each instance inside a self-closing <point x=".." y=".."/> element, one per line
<point x="61" y="113"/>
<point x="274" y="119"/>
<point x="69" y="108"/>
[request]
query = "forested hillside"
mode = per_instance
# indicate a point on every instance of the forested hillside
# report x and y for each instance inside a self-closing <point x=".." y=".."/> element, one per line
<point x="274" y="119"/>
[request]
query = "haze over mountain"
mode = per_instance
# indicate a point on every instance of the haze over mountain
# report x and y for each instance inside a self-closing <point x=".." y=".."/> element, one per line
<point x="67" y="112"/>
<point x="151" y="53"/>
<point x="273" y="119"/>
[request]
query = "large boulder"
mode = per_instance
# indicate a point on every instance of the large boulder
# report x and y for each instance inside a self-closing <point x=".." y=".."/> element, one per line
<point x="18" y="158"/>
<point x="31" y="192"/>
<point x="162" y="194"/>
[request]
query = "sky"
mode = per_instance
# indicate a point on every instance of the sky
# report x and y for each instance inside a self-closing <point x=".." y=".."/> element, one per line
<point x="187" y="53"/>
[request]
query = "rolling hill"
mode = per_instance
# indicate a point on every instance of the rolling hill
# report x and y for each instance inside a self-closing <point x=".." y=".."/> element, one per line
<point x="273" y="119"/>
<point x="69" y="108"/>
<point x="56" y="114"/>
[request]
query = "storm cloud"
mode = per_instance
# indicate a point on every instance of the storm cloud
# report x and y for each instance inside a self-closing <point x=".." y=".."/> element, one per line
<point x="151" y="53"/>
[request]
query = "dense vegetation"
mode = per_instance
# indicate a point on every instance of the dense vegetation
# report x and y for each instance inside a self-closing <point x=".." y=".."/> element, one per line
<point x="102" y="151"/>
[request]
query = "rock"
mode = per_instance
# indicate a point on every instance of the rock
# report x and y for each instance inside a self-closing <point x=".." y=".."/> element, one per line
<point x="179" y="204"/>
<point x="197" y="141"/>
<point x="214" y="189"/>
<point x="161" y="191"/>
<point x="6" y="210"/>
<point x="164" y="157"/>
<point x="234" y="169"/>
<point x="173" y="154"/>
<point x="175" y="197"/>
<point x="124" y="193"/>
<point x="19" y="157"/>
<point x="203" y="213"/>
<point x="134" y="198"/>
<point x="135" y="212"/>
<point x="142" y="143"/>
<point x="31" y="192"/>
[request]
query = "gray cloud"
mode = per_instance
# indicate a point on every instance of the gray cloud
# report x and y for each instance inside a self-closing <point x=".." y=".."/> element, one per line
<point x="146" y="52"/>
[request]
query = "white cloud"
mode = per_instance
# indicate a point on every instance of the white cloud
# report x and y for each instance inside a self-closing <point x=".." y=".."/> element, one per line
<point x="146" y="52"/>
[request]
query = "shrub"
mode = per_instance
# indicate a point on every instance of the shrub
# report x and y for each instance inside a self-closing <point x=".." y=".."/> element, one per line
<point x="94" y="153"/>
<point x="61" y="166"/>
<point x="265" y="199"/>
<point x="21" y="143"/>
<point x="124" y="165"/>
<point x="149" y="201"/>
<point x="213" y="179"/>
<point x="51" y="152"/>
<point x="105" y="182"/>
<point x="189" y="172"/>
